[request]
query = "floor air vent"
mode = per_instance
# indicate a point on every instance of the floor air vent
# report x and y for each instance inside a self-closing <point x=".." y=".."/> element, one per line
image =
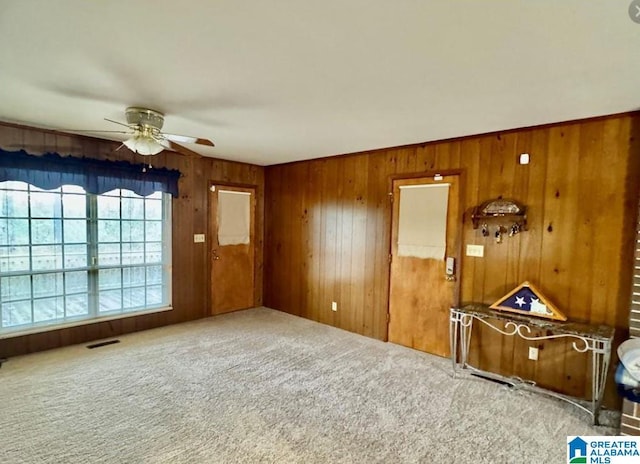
<point x="101" y="344"/>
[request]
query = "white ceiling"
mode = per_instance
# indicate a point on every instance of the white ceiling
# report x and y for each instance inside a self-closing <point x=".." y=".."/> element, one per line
<point x="283" y="80"/>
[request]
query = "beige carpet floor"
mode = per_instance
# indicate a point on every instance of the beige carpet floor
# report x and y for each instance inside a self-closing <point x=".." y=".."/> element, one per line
<point x="260" y="386"/>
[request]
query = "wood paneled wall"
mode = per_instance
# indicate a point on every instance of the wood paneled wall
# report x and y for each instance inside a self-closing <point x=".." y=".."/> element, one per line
<point x="190" y="260"/>
<point x="328" y="222"/>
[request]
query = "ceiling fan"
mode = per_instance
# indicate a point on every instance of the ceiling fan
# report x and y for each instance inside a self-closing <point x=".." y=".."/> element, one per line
<point x="146" y="136"/>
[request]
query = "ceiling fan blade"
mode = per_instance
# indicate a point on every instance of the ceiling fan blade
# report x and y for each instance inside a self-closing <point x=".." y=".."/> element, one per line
<point x="93" y="131"/>
<point x="118" y="122"/>
<point x="66" y="129"/>
<point x="182" y="150"/>
<point x="187" y="139"/>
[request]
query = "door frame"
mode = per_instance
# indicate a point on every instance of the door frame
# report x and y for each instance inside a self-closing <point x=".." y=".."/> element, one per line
<point x="458" y="239"/>
<point x="209" y="240"/>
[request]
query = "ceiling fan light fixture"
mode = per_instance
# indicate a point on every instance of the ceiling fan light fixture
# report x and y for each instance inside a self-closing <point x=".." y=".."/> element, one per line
<point x="143" y="145"/>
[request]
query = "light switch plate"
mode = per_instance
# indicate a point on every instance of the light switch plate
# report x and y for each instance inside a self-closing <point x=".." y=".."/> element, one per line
<point x="198" y="238"/>
<point x="475" y="250"/>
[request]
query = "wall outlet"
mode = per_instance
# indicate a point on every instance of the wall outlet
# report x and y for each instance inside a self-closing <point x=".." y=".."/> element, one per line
<point x="334" y="306"/>
<point x="198" y="238"/>
<point x="533" y="353"/>
<point x="475" y="250"/>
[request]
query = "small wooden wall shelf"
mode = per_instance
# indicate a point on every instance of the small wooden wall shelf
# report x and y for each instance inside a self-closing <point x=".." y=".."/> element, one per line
<point x="500" y="208"/>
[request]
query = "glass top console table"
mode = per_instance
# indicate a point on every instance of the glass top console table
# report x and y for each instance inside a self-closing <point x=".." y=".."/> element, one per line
<point x="593" y="339"/>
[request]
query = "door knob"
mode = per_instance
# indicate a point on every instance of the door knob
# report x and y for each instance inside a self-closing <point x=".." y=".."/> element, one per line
<point x="215" y="255"/>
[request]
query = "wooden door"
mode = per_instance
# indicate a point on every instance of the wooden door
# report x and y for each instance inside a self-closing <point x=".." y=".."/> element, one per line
<point x="232" y="247"/>
<point x="421" y="293"/>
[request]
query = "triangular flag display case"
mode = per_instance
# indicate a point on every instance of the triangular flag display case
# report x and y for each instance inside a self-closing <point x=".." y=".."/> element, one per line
<point x="527" y="299"/>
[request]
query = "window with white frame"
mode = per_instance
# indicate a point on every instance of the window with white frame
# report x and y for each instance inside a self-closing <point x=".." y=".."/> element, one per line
<point x="67" y="256"/>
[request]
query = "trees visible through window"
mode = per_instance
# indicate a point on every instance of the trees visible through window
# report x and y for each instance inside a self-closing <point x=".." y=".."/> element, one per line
<point x="67" y="256"/>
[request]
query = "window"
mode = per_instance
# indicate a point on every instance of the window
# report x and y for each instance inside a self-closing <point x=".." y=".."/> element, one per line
<point x="67" y="256"/>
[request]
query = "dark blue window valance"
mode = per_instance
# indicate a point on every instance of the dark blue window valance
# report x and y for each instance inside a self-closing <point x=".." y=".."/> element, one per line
<point x="51" y="171"/>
